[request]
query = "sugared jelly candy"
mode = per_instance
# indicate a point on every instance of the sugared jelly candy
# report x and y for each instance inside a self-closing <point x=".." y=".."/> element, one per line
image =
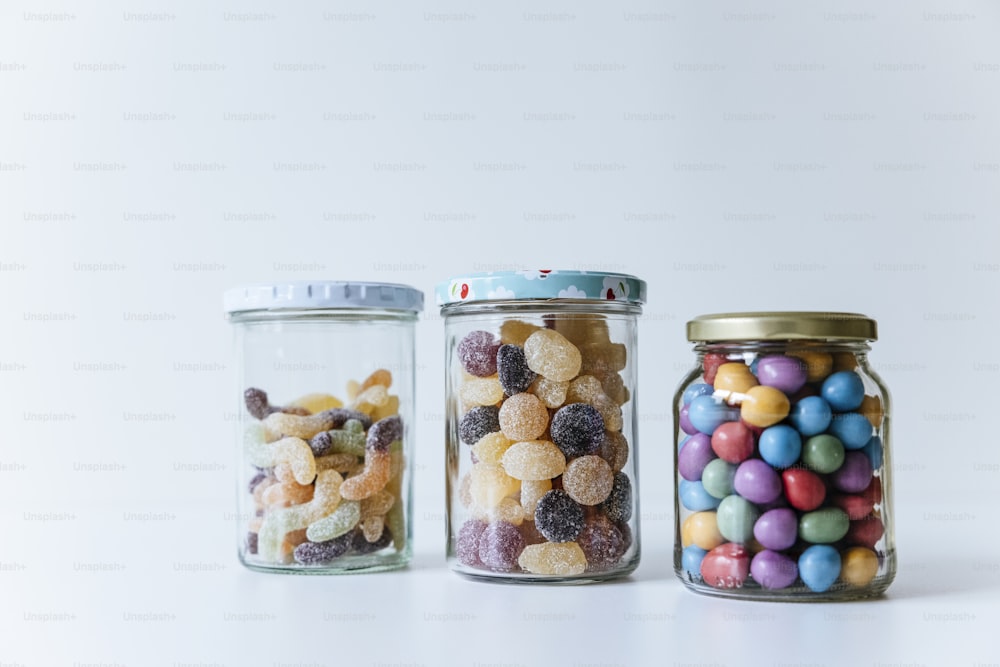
<point x="382" y="376"/>
<point x="602" y="542"/>
<point x="550" y="558"/>
<point x="516" y="332"/>
<point x="341" y="521"/>
<point x="513" y="371"/>
<point x="558" y="517"/>
<point x="726" y="566"/>
<point x="477" y="422"/>
<point x="531" y="492"/>
<point x="618" y="504"/>
<point x="588" y="479"/>
<point x="481" y="391"/>
<point x="491" y="448"/>
<point x="614" y="450"/>
<point x="548" y="353"/>
<point x="350" y="439"/>
<point x="278" y="523"/>
<point x="377" y="459"/>
<point x="490" y="484"/>
<point x="320" y="553"/>
<point x="551" y="393"/>
<point x="584" y="389"/>
<point x="314" y="403"/>
<point x="533" y="460"/>
<point x="523" y="417"/>
<point x="478" y="353"/>
<point x="467" y="542"/>
<point x="500" y="544"/>
<point x="819" y="567"/>
<point x="577" y="429"/>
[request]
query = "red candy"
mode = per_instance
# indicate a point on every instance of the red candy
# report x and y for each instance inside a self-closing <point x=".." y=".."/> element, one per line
<point x="711" y="366"/>
<point x="804" y="489"/>
<point x="733" y="442"/>
<point x="865" y="532"/>
<point x="874" y="491"/>
<point x="857" y="507"/>
<point x="726" y="566"/>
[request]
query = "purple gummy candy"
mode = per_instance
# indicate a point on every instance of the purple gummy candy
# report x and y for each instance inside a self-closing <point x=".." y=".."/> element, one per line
<point x="756" y="481"/>
<point x="855" y="474"/>
<point x="339" y="417"/>
<point x="694" y="456"/>
<point x="467" y="542"/>
<point x="360" y="545"/>
<point x="618" y="504"/>
<point x="478" y="353"/>
<point x="577" y="429"/>
<point x="558" y="517"/>
<point x="321" y="443"/>
<point x="383" y="433"/>
<point x="256" y="402"/>
<point x="602" y="543"/>
<point x="318" y="553"/>
<point x="499" y="546"/>
<point x="785" y="373"/>
<point x="777" y="529"/>
<point x="255" y="481"/>
<point x="512" y="370"/>
<point x="771" y="569"/>
<point x="251" y="543"/>
<point x="477" y="422"/>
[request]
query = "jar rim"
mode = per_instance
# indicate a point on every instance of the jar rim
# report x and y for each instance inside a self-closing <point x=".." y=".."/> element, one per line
<point x="322" y="295"/>
<point x="782" y="325"/>
<point x="541" y="285"/>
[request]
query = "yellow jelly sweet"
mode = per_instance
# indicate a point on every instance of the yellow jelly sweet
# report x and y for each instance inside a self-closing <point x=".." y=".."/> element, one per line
<point x="491" y="447"/>
<point x="734" y="376"/>
<point x="317" y="402"/>
<point x="702" y="530"/>
<point x="859" y="565"/>
<point x="481" y="391"/>
<point x="490" y="485"/>
<point x="553" y="558"/>
<point x="764" y="406"/>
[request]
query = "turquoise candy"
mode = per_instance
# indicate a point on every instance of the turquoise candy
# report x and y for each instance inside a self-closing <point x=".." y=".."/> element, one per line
<point x="736" y="517"/>
<point x="823" y="526"/>
<point x="717" y="478"/>
<point x="819" y="567"/>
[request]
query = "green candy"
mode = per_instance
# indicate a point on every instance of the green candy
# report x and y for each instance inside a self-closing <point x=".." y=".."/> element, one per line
<point x="735" y="517"/>
<point x="348" y="440"/>
<point x="344" y="518"/>
<point x="717" y="478"/>
<point x="824" y="526"/>
<point x="823" y="453"/>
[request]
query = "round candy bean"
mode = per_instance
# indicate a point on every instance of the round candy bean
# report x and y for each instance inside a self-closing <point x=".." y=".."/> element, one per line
<point x="811" y="415"/>
<point x="726" y="566"/>
<point x="764" y="406"/>
<point x="734" y="376"/>
<point x="777" y="529"/>
<point x="843" y="390"/>
<point x="702" y="530"/>
<point x="733" y="442"/>
<point x="773" y="570"/>
<point x="697" y="389"/>
<point x="684" y="420"/>
<point x="823" y="453"/>
<point x="819" y="567"/>
<point x="691" y="558"/>
<point x="865" y="532"/>
<point x="736" y="517"/>
<point x="694" y="497"/>
<point x="706" y="413"/>
<point x="804" y="489"/>
<point x="871" y="408"/>
<point x="787" y="374"/>
<point x="717" y="478"/>
<point x="852" y="429"/>
<point x="873" y="450"/>
<point x="854" y="475"/>
<point x="756" y="481"/>
<point x="694" y="456"/>
<point x="780" y="445"/>
<point x="824" y="526"/>
<point x="711" y="364"/>
<point x="859" y="566"/>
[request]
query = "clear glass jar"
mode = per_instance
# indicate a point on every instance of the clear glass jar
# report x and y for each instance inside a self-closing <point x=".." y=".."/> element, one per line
<point x="541" y="425"/>
<point x="326" y="387"/>
<point x="783" y="477"/>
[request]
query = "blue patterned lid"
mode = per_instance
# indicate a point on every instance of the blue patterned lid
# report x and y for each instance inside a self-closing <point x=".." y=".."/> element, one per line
<point x="541" y="284"/>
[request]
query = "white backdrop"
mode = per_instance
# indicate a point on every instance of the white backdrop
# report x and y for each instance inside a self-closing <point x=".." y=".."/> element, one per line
<point x="839" y="156"/>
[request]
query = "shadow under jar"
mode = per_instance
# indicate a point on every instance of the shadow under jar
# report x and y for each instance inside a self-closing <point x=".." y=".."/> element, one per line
<point x="325" y="425"/>
<point x="540" y="425"/>
<point x="783" y="484"/>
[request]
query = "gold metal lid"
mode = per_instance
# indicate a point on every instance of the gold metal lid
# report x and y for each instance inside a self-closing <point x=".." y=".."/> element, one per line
<point x="793" y="325"/>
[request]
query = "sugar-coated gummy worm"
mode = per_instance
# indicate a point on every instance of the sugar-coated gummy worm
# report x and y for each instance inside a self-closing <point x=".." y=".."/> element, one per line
<point x="372" y="528"/>
<point x="279" y="523"/>
<point x="380" y="376"/>
<point x="259" y="407"/>
<point x="349" y="439"/>
<point x="293" y="451"/>
<point x="340" y="462"/>
<point x="339" y="522"/>
<point x="307" y="427"/>
<point x="377" y="459"/>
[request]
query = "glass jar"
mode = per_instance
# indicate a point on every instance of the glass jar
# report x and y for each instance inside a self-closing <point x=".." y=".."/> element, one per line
<point x="541" y="425"/>
<point x="783" y="483"/>
<point x="326" y="388"/>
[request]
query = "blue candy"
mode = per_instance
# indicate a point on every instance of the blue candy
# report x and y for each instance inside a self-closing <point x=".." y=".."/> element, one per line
<point x="695" y="390"/>
<point x="819" y="567"/>
<point x="873" y="450"/>
<point x="844" y="391"/>
<point x="852" y="429"/>
<point x="691" y="559"/>
<point x="780" y="446"/>
<point x="695" y="498"/>
<point x="706" y="414"/>
<point x="811" y="415"/>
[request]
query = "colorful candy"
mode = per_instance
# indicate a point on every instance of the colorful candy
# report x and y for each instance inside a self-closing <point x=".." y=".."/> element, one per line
<point x="478" y="353"/>
<point x="549" y="354"/>
<point x="523" y="417"/>
<point x="558" y="517"/>
<point x="565" y="559"/>
<point x="478" y="422"/>
<point x="588" y="480"/>
<point x="577" y="429"/>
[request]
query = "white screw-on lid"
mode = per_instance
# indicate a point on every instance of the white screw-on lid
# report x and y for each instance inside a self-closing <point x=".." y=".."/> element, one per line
<point x="322" y="294"/>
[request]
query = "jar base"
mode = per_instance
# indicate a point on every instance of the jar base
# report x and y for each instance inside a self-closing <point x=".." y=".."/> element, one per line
<point x="349" y="565"/>
<point x="555" y="580"/>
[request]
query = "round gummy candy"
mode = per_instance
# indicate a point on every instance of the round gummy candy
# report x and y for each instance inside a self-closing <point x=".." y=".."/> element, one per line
<point x="478" y="353"/>
<point x="577" y="429"/>
<point x="523" y="417"/>
<point x="618" y="504"/>
<point x="558" y="517"/>
<point x="588" y="479"/>
<point x="548" y="353"/>
<point x="467" y="542"/>
<point x="844" y="391"/>
<point x="499" y="546"/>
<point x="811" y="415"/>
<point x="773" y="570"/>
<point x="819" y="567"/>
<point x="478" y="422"/>
<point x="512" y="370"/>
<point x="602" y="542"/>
